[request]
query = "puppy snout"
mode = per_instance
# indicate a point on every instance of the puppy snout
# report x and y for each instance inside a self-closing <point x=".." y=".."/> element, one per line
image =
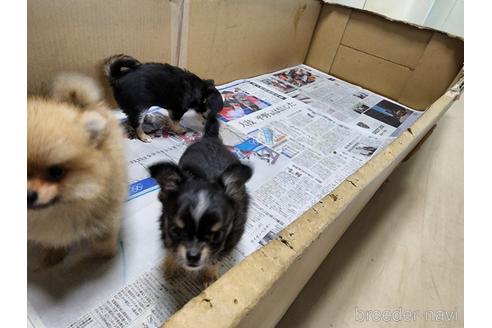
<point x="32" y="197"/>
<point x="193" y="256"/>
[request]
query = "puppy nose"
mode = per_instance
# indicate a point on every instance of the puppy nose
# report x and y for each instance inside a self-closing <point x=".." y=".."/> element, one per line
<point x="32" y="196"/>
<point x="193" y="255"/>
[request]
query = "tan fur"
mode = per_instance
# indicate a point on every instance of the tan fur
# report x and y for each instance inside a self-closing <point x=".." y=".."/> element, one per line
<point x="142" y="135"/>
<point x="209" y="274"/>
<point x="111" y="60"/>
<point x="172" y="266"/>
<point x="76" y="88"/>
<point x="177" y="128"/>
<point x="86" y="139"/>
<point x="46" y="190"/>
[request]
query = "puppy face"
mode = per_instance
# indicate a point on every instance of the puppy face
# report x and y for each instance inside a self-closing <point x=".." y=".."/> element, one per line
<point x="212" y="102"/>
<point x="63" y="161"/>
<point x="199" y="214"/>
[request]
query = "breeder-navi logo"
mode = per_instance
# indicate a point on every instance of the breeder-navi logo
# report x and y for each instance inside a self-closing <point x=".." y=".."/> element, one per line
<point x="407" y="315"/>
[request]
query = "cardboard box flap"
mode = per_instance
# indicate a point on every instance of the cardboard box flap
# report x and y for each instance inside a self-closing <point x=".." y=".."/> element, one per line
<point x="78" y="35"/>
<point x="441" y="62"/>
<point x="406" y="63"/>
<point x="228" y="40"/>
<point x="383" y="77"/>
<point x="401" y="44"/>
<point x="338" y="3"/>
<point x="327" y="36"/>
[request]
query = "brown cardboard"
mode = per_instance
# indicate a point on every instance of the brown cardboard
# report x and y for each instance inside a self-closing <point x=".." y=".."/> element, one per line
<point x="398" y="43"/>
<point x="439" y="65"/>
<point x="77" y="35"/>
<point x="383" y="77"/>
<point x="257" y="291"/>
<point x="229" y="40"/>
<point x="327" y="36"/>
<point x="406" y="63"/>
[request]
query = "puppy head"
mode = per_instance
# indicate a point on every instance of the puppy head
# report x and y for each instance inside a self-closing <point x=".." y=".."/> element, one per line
<point x="212" y="102"/>
<point x="64" y="163"/>
<point x="199" y="213"/>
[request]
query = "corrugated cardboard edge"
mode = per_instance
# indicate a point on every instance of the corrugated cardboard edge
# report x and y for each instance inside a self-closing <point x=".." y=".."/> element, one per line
<point x="176" y="29"/>
<point x="386" y="72"/>
<point x="183" y="44"/>
<point x="457" y="87"/>
<point x="393" y="19"/>
<point x="241" y="295"/>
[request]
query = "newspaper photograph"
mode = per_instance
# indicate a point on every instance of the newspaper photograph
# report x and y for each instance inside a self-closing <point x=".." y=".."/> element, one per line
<point x="301" y="130"/>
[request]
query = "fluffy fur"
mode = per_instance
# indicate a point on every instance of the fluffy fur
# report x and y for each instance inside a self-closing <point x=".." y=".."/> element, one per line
<point x="76" y="169"/>
<point x="137" y="86"/>
<point x="205" y="205"/>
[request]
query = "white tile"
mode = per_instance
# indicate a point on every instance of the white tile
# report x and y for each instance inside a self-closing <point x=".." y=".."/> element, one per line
<point x="439" y="12"/>
<point x="413" y="11"/>
<point x="351" y="3"/>
<point x="454" y="23"/>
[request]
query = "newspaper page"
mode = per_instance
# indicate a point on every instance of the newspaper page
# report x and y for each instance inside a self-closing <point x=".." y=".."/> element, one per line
<point x="303" y="132"/>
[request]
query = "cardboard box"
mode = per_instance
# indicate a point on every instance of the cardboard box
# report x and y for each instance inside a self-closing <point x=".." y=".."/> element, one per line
<point x="228" y="40"/>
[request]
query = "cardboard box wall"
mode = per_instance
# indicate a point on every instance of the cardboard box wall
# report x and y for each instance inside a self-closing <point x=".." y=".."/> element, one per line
<point x="231" y="39"/>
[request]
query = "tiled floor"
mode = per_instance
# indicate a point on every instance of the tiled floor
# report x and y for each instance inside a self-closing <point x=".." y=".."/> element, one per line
<point x="404" y="252"/>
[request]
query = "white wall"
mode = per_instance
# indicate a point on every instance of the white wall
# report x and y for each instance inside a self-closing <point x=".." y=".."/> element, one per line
<point x="443" y="15"/>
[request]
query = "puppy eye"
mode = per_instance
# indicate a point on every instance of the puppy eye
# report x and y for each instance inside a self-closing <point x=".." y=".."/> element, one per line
<point x="175" y="230"/>
<point x="217" y="236"/>
<point x="55" y="173"/>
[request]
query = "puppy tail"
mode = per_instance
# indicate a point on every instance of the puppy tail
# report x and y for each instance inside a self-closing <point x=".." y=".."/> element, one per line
<point x="212" y="127"/>
<point x="118" y="65"/>
<point x="77" y="89"/>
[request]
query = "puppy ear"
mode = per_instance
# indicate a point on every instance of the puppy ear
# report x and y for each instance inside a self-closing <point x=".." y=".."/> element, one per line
<point x="168" y="175"/>
<point x="95" y="124"/>
<point x="234" y="179"/>
<point x="210" y="83"/>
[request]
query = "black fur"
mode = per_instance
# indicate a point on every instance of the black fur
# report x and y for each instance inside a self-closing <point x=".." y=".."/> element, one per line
<point x="137" y="86"/>
<point x="206" y="167"/>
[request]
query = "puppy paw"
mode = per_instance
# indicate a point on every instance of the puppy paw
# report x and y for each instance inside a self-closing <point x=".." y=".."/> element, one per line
<point x="209" y="275"/>
<point x="170" y="269"/>
<point x="208" y="280"/>
<point x="177" y="128"/>
<point x="145" y="137"/>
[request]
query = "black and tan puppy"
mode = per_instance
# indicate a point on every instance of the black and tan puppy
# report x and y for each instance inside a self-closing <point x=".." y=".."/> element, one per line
<point x="205" y="205"/>
<point x="138" y="86"/>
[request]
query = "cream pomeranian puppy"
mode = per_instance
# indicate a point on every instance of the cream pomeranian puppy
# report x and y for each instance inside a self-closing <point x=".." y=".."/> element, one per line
<point x="76" y="170"/>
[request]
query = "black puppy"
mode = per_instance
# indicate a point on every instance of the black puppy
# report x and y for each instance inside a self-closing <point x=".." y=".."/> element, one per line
<point x="137" y="86"/>
<point x="205" y="205"/>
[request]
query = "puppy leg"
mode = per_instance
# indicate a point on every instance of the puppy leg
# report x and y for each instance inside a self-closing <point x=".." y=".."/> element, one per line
<point x="205" y="115"/>
<point x="136" y="122"/>
<point x="52" y="256"/>
<point x="208" y="113"/>
<point x="170" y="268"/>
<point x="175" y="118"/>
<point x="105" y="246"/>
<point x="209" y="274"/>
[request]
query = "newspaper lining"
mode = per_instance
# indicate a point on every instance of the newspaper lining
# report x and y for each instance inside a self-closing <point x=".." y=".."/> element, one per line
<point x="303" y="132"/>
